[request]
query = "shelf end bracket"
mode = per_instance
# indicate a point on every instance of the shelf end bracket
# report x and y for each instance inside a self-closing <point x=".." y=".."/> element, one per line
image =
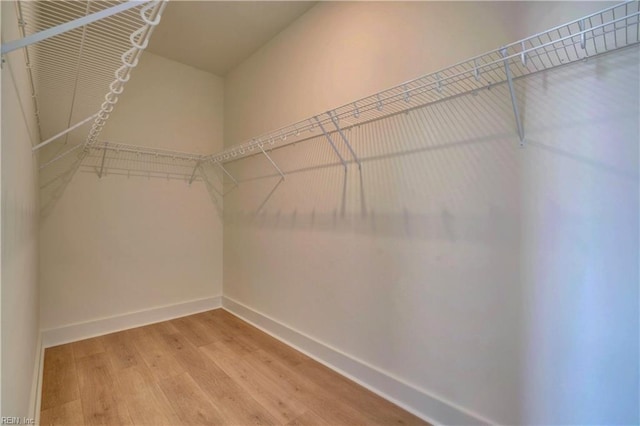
<point x="514" y="101"/>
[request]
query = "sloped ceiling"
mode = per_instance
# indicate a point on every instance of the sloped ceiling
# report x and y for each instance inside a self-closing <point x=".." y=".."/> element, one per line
<point x="216" y="36"/>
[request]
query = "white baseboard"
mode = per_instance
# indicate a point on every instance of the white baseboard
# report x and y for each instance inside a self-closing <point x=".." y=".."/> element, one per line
<point x="36" y="387"/>
<point x="99" y="327"/>
<point x="420" y="402"/>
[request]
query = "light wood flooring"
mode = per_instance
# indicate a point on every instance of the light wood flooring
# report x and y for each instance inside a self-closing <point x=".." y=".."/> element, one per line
<point x="205" y="369"/>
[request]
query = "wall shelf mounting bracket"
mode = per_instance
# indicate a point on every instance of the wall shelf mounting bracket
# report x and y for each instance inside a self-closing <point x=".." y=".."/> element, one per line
<point x="334" y="120"/>
<point x="104" y="155"/>
<point x="514" y="101"/>
<point x="324" y="131"/>
<point x="193" y="174"/>
<point x="270" y="160"/>
<point x="235" y="182"/>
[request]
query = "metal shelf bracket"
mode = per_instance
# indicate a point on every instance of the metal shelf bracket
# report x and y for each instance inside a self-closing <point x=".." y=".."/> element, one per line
<point x="235" y="182"/>
<point x="270" y="160"/>
<point x="514" y="101"/>
<point x="104" y="154"/>
<point x="324" y="131"/>
<point x="193" y="174"/>
<point x="334" y="120"/>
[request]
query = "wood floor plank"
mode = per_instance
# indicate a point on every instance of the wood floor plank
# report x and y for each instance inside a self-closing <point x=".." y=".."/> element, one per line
<point x="136" y="377"/>
<point x="189" y="357"/>
<point x="60" y="380"/>
<point x="376" y="409"/>
<point x="165" y="327"/>
<point x="281" y="407"/>
<point x="196" y="332"/>
<point x="259" y="338"/>
<point x="235" y="405"/>
<point x="149" y="343"/>
<point x="87" y="347"/>
<point x="121" y="350"/>
<point x="189" y="402"/>
<point x="102" y="403"/>
<point x="148" y="405"/>
<point x="240" y="342"/>
<point x="309" y="419"/>
<point x="320" y="401"/>
<point x="63" y="415"/>
<point x="208" y="368"/>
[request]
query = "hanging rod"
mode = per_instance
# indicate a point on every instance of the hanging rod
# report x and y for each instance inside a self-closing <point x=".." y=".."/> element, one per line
<point x="610" y="29"/>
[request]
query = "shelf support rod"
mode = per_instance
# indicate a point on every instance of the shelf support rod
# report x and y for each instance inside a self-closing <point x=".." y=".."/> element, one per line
<point x="344" y="164"/>
<point x="334" y="120"/>
<point x="64" y="132"/>
<point x="514" y="101"/>
<point x="235" y="182"/>
<point x="193" y="174"/>
<point x="270" y="160"/>
<point x="68" y="26"/>
<point x="104" y="154"/>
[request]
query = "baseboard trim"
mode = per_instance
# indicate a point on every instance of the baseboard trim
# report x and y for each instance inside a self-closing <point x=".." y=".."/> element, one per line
<point x="424" y="404"/>
<point x="99" y="327"/>
<point x="36" y="383"/>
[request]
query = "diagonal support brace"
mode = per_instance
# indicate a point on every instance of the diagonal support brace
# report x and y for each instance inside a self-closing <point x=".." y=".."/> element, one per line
<point x="193" y="174"/>
<point x="334" y="120"/>
<point x="104" y="155"/>
<point x="514" y="101"/>
<point x="64" y="132"/>
<point x="324" y="131"/>
<point x="235" y="182"/>
<point x="270" y="160"/>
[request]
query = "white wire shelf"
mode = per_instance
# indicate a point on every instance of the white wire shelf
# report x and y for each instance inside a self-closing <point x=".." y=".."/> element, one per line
<point x="72" y="70"/>
<point x="607" y="30"/>
<point x="130" y="160"/>
<point x="146" y="151"/>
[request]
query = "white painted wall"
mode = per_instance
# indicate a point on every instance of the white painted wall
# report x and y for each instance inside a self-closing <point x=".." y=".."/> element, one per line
<point x="580" y="243"/>
<point x="455" y="262"/>
<point x="124" y="244"/>
<point x="580" y="253"/>
<point x="19" y="284"/>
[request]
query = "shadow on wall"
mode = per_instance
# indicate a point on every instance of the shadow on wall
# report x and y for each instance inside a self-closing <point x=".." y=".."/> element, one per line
<point x="419" y="173"/>
<point x="449" y="154"/>
<point x="54" y="180"/>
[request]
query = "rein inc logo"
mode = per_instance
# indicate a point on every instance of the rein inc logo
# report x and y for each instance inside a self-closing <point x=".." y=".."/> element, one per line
<point x="17" y="421"/>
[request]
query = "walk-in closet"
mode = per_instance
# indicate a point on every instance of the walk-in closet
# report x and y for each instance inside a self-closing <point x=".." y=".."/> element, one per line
<point x="320" y="212"/>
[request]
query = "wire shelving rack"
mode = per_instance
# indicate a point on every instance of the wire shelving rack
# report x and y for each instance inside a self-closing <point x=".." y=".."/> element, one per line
<point x="608" y="30"/>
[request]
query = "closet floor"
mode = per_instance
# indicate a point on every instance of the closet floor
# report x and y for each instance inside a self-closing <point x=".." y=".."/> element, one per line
<point x="208" y="368"/>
